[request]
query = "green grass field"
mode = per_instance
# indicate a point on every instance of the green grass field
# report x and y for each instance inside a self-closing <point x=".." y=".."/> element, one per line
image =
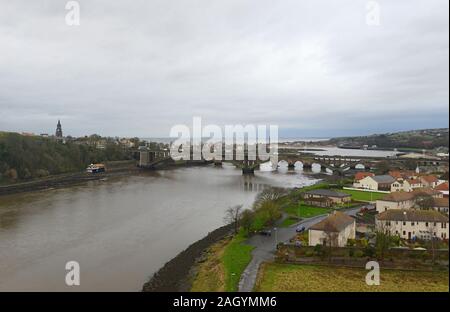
<point x="236" y="256"/>
<point x="363" y="196"/>
<point x="304" y="211"/>
<point x="310" y="278"/>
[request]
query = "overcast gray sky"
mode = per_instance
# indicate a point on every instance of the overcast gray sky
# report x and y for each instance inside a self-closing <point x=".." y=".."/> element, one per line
<point x="136" y="68"/>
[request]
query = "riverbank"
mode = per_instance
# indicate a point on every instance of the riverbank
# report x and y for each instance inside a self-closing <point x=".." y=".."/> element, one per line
<point x="114" y="169"/>
<point x="176" y="275"/>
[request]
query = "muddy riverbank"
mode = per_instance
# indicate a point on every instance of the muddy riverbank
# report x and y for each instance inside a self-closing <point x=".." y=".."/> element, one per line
<point x="175" y="275"/>
<point x="114" y="169"/>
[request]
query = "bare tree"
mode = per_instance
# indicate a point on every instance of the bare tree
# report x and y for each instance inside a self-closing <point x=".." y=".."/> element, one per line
<point x="233" y="215"/>
<point x="425" y="202"/>
<point x="269" y="194"/>
<point x="246" y="221"/>
<point x="431" y="233"/>
<point x="331" y="239"/>
<point x="383" y="239"/>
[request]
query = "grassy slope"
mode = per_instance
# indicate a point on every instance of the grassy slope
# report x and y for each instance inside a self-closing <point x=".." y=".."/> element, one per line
<point x="210" y="275"/>
<point x="305" y="211"/>
<point x="304" y="278"/>
<point x="224" y="265"/>
<point x="236" y="257"/>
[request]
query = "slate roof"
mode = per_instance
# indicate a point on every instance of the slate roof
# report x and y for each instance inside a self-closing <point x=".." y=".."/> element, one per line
<point x="412" y="215"/>
<point x="384" y="179"/>
<point x="335" y="222"/>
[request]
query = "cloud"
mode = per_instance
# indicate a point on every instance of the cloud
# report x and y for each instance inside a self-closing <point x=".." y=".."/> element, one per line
<point x="138" y="68"/>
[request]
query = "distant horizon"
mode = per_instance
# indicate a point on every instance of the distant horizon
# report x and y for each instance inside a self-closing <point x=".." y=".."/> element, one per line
<point x="281" y="137"/>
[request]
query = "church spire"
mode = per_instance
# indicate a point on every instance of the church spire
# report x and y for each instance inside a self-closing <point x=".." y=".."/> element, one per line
<point x="59" y="133"/>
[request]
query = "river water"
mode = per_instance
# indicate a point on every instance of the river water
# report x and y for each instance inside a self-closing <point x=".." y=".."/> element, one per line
<point x="120" y="230"/>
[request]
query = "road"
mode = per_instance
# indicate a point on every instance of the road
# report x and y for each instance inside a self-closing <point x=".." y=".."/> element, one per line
<point x="265" y="247"/>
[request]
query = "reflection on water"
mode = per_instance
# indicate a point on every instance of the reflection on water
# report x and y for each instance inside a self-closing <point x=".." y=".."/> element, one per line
<point x="120" y="231"/>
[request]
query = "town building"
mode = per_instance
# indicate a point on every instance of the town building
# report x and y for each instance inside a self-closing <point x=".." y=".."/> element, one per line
<point x="404" y="174"/>
<point x="361" y="175"/>
<point x="405" y="185"/>
<point x="333" y="231"/>
<point x="375" y="183"/>
<point x="326" y="198"/>
<point x="412" y="224"/>
<point x="443" y="188"/>
<point x="429" y="181"/>
<point x="405" y="200"/>
<point x="395" y="200"/>
<point x="441" y="205"/>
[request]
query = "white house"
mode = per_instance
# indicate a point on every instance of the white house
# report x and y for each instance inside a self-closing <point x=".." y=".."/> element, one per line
<point x="441" y="205"/>
<point x="375" y="183"/>
<point x="411" y="223"/>
<point x="405" y="200"/>
<point x="405" y="185"/>
<point x="396" y="200"/>
<point x="336" y="229"/>
<point x="429" y="181"/>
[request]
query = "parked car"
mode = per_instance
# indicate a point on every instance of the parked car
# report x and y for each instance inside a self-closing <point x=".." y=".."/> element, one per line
<point x="300" y="229"/>
<point x="265" y="232"/>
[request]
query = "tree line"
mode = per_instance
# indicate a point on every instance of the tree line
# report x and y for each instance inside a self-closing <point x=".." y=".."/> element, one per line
<point x="28" y="157"/>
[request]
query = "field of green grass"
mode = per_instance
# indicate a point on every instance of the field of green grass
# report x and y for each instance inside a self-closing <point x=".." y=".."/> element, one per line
<point x="304" y="211"/>
<point x="310" y="278"/>
<point x="236" y="256"/>
<point x="363" y="196"/>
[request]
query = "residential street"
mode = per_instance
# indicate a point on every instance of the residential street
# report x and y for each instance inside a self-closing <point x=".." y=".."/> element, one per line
<point x="266" y="245"/>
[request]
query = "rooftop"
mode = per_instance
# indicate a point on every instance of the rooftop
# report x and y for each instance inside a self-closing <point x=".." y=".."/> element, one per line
<point x="412" y="215"/>
<point x="362" y="175"/>
<point x="384" y="179"/>
<point x="328" y="193"/>
<point x="442" y="187"/>
<point x="335" y="222"/>
<point x="399" y="196"/>
<point x="441" y="202"/>
<point x="430" y="178"/>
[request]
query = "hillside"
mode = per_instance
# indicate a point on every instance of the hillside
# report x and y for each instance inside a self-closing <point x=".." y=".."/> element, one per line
<point x="28" y="157"/>
<point x="415" y="139"/>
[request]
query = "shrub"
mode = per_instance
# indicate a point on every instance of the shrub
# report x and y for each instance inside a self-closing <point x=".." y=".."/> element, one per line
<point x="359" y="254"/>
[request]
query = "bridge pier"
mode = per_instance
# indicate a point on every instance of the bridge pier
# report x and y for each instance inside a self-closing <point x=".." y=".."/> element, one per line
<point x="248" y="170"/>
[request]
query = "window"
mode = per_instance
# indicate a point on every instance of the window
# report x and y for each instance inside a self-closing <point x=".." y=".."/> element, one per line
<point x="404" y="232"/>
<point x="412" y="223"/>
<point x="443" y="225"/>
<point x="404" y="223"/>
<point x="426" y="224"/>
